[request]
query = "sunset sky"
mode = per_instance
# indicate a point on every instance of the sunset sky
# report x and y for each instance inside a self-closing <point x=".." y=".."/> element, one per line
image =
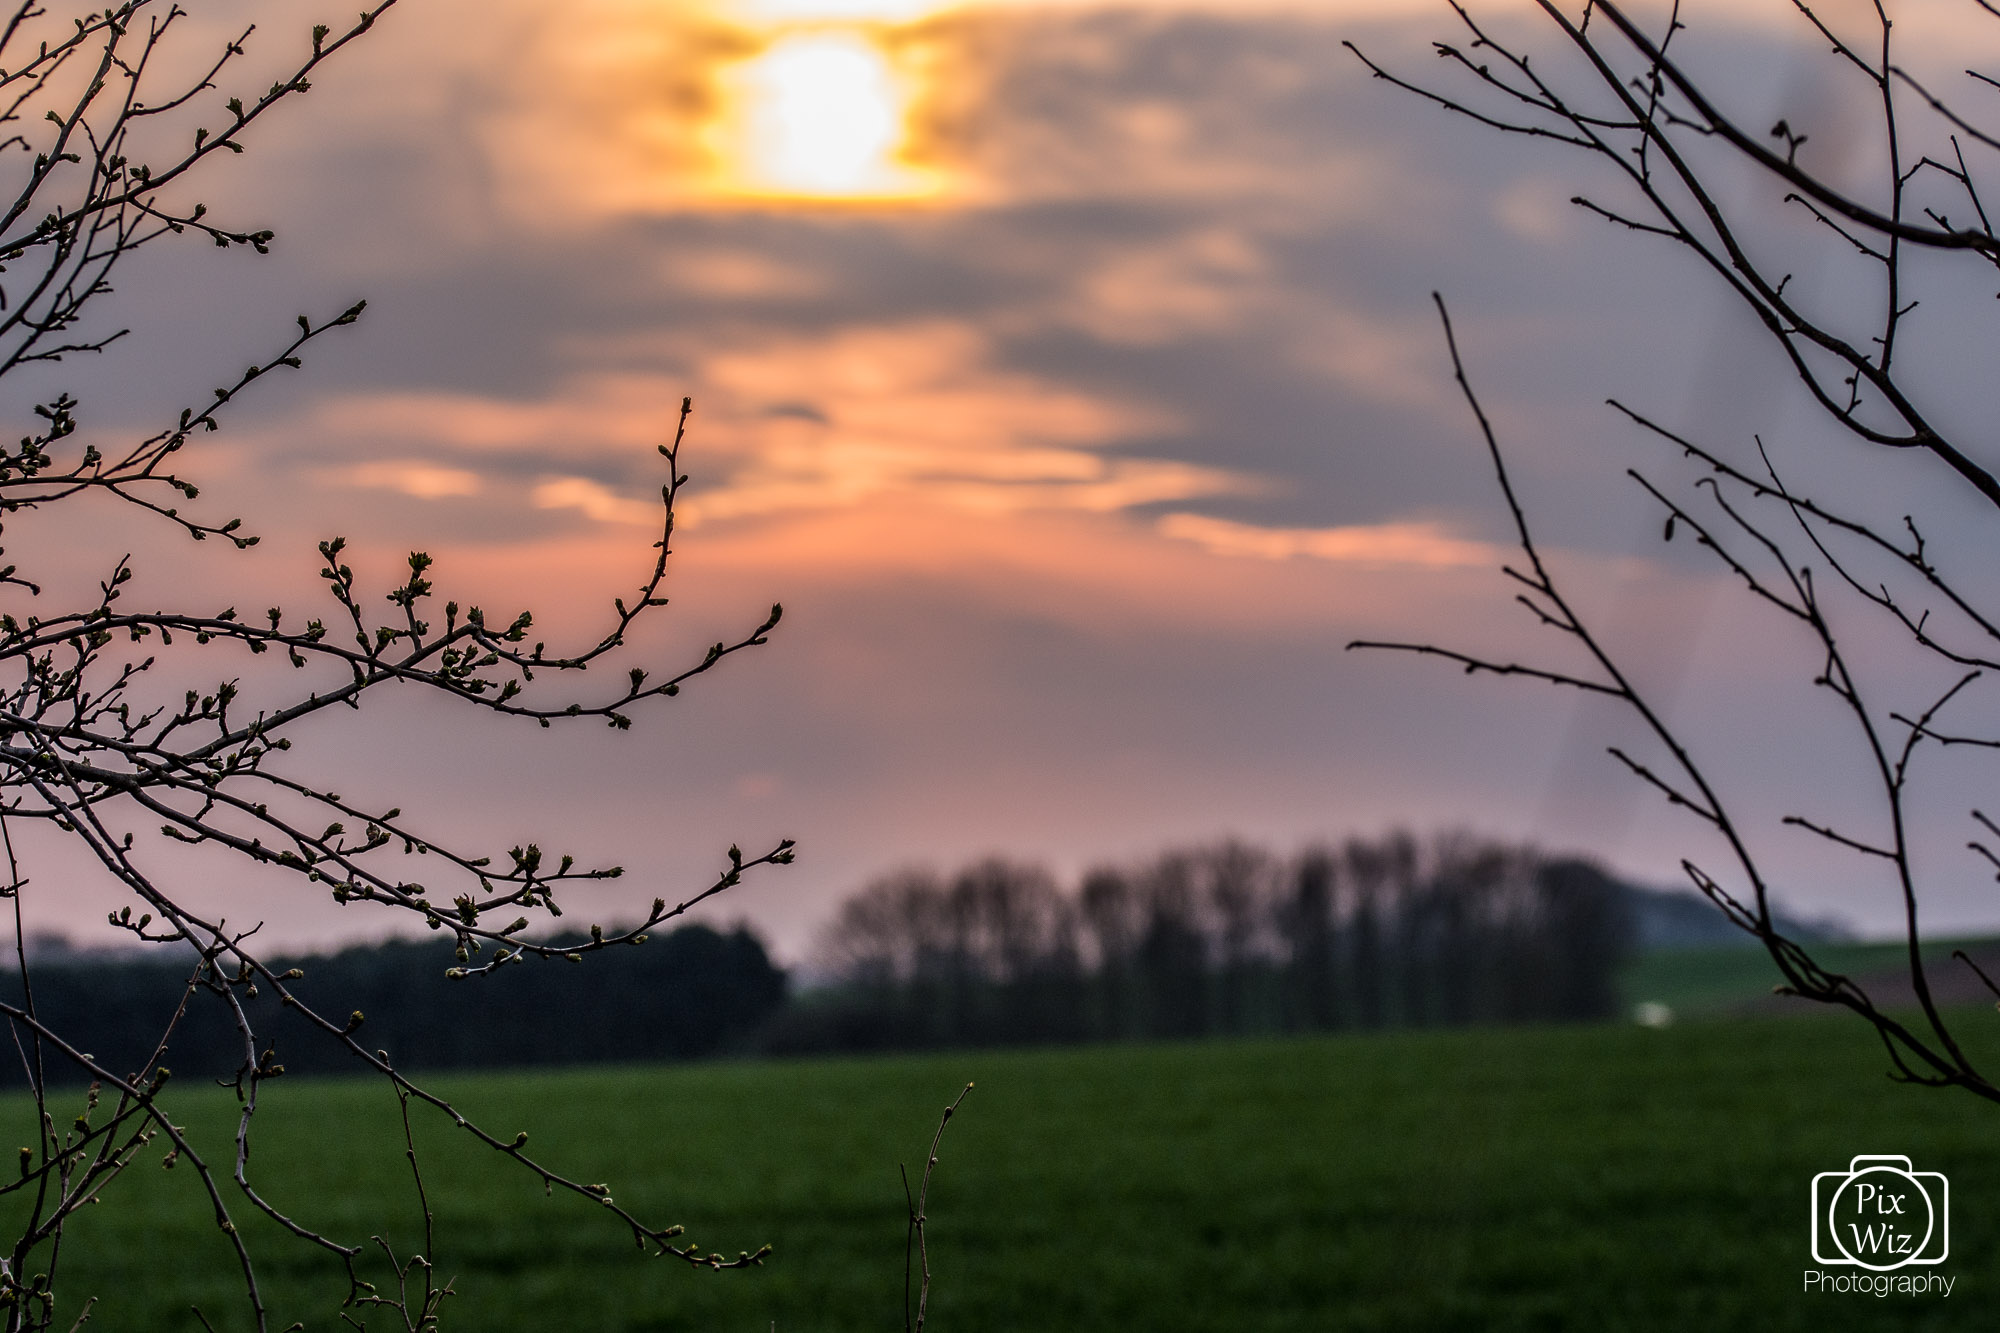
<point x="1068" y="371"/>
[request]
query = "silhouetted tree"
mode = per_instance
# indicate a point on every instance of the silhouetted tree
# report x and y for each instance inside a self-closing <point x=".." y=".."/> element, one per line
<point x="1368" y="870"/>
<point x="1240" y="899"/>
<point x="1173" y="952"/>
<point x="136" y="734"/>
<point x="891" y="944"/>
<point x="1589" y="923"/>
<point x="1891" y="597"/>
<point x="991" y="956"/>
<point x="1110" y="912"/>
<point x="692" y="992"/>
<point x="1220" y="940"/>
<point x="1308" y="923"/>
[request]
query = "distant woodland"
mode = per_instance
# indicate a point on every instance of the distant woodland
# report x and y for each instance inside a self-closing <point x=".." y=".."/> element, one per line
<point x="1213" y="941"/>
<point x="694" y="992"/>
<point x="1217" y="941"/>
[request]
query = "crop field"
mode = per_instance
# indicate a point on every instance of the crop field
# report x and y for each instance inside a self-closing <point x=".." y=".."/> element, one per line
<point x="1584" y="1178"/>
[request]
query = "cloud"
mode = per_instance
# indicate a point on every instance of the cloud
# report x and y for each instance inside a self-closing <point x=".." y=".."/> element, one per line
<point x="634" y="108"/>
<point x="917" y="412"/>
<point x="1398" y="362"/>
<point x="554" y="117"/>
<point x="595" y="414"/>
<point x="1423" y="545"/>
<point x="1203" y="281"/>
<point x="735" y="273"/>
<point x="920" y="410"/>
<point x="1536" y="210"/>
<point x="424" y="481"/>
<point x="597" y="502"/>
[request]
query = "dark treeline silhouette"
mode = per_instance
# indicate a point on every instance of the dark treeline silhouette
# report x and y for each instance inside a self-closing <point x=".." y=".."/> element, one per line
<point x="693" y="992"/>
<point x="1221" y="940"/>
<point x="1214" y="941"/>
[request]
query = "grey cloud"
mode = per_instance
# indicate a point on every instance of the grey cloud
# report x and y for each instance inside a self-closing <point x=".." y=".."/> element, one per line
<point x="1271" y="213"/>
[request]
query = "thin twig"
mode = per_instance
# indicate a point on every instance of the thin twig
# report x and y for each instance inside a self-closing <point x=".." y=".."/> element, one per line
<point x="915" y="1235"/>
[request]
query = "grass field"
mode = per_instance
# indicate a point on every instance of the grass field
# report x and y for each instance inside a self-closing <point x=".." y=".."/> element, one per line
<point x="1712" y="981"/>
<point x="1587" y="1178"/>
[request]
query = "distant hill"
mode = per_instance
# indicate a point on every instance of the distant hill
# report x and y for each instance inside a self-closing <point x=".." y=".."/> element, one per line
<point x="1683" y="919"/>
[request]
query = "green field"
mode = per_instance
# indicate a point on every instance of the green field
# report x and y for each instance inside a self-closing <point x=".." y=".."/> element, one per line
<point x="1730" y="979"/>
<point x="1586" y="1178"/>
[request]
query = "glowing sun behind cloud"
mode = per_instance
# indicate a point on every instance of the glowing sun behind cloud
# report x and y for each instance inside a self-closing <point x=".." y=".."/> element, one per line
<point x="819" y="113"/>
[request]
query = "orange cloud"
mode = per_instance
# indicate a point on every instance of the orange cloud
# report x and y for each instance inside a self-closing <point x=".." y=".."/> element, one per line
<point x="920" y="410"/>
<point x="421" y="480"/>
<point x="916" y="411"/>
<point x="623" y="414"/>
<point x="1424" y="545"/>
<point x="598" y="502"/>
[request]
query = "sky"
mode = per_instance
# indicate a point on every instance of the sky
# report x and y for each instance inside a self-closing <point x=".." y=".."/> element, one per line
<point x="1070" y="374"/>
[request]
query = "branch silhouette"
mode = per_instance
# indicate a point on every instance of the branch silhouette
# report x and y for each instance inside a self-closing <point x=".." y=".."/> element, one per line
<point x="1689" y="173"/>
<point x="103" y="142"/>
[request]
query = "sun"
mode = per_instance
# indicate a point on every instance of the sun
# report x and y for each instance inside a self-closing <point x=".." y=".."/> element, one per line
<point x="820" y="112"/>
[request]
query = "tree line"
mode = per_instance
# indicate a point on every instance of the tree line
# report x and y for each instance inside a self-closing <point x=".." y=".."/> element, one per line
<point x="689" y="993"/>
<point x="1222" y="940"/>
<point x="1219" y="940"/>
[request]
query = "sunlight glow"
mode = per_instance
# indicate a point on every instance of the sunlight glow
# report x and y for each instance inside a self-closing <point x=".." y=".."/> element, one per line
<point x="819" y="114"/>
<point x="848" y="11"/>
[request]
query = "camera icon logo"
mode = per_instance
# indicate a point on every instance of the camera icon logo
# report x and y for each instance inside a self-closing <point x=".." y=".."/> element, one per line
<point x="1880" y="1215"/>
